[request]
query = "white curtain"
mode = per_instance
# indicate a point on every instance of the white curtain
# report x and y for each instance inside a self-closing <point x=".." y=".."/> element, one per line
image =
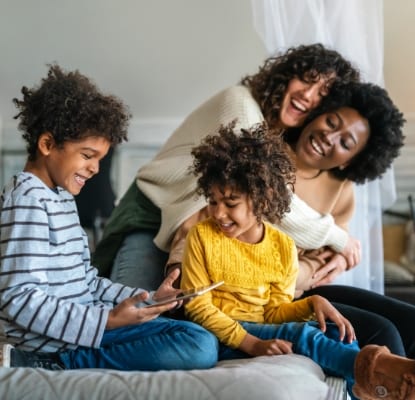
<point x="355" y="29"/>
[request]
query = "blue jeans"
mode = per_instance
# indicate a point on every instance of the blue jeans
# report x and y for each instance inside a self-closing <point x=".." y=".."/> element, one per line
<point x="334" y="357"/>
<point x="139" y="263"/>
<point x="376" y="318"/>
<point x="360" y="306"/>
<point x="159" y="344"/>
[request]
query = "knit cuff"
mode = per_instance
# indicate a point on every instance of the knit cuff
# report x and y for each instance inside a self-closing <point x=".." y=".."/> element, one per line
<point x="310" y="229"/>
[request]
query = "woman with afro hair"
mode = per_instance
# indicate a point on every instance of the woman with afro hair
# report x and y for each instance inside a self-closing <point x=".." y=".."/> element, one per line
<point x="327" y="189"/>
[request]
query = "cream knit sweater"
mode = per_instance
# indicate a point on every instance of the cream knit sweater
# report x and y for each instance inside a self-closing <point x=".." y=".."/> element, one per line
<point x="166" y="180"/>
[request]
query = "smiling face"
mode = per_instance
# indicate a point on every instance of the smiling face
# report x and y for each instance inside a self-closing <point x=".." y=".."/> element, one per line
<point x="233" y="214"/>
<point x="70" y="165"/>
<point x="332" y="140"/>
<point x="301" y="97"/>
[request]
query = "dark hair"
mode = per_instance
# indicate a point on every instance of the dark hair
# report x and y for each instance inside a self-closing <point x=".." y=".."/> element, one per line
<point x="70" y="107"/>
<point x="306" y="62"/>
<point x="385" y="123"/>
<point x="255" y="163"/>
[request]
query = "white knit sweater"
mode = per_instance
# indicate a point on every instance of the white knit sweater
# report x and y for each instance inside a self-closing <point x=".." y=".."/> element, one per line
<point x="166" y="180"/>
<point x="310" y="229"/>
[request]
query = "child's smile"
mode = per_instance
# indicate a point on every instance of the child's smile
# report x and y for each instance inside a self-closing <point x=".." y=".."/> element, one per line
<point x="233" y="213"/>
<point x="71" y="165"/>
<point x="81" y="180"/>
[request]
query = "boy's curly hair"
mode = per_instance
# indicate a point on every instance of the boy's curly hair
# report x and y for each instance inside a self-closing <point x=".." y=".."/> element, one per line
<point x="70" y="107"/>
<point x="306" y="62"/>
<point x="255" y="163"/>
<point x="385" y="123"/>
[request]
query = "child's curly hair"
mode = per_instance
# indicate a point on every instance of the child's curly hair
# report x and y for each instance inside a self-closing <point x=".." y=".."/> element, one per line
<point x="255" y="163"/>
<point x="69" y="106"/>
<point x="306" y="62"/>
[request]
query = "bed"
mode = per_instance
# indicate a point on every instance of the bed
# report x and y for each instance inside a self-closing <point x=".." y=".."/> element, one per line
<point x="287" y="377"/>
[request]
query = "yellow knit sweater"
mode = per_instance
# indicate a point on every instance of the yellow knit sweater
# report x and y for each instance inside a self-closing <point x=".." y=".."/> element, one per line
<point x="259" y="281"/>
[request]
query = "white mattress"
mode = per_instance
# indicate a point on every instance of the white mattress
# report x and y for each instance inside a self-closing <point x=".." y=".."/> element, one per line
<point x="288" y="377"/>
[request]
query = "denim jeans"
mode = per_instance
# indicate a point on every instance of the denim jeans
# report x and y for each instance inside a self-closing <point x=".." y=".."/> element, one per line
<point x="159" y="344"/>
<point x="139" y="263"/>
<point x="360" y="306"/>
<point x="334" y="357"/>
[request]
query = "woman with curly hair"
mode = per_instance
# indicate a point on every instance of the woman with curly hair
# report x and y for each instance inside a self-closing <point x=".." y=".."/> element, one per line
<point x="245" y="178"/>
<point x="154" y="215"/>
<point x="385" y="122"/>
<point x="56" y="312"/>
<point x="326" y="172"/>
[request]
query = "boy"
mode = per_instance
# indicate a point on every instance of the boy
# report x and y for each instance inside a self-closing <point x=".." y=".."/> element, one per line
<point x="244" y="178"/>
<point x="55" y="312"/>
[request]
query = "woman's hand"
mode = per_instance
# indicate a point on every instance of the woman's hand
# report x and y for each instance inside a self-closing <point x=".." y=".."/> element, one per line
<point x="127" y="312"/>
<point x="259" y="347"/>
<point x="334" y="264"/>
<point x="352" y="252"/>
<point x="324" y="310"/>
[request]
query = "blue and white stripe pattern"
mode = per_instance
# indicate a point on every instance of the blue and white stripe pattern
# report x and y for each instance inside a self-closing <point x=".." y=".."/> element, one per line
<point x="50" y="296"/>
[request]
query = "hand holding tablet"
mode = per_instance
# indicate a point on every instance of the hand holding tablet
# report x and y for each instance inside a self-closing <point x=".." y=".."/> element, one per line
<point x="183" y="295"/>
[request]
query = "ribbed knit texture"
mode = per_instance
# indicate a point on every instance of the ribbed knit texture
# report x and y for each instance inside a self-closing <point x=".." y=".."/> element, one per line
<point x="50" y="295"/>
<point x="259" y="281"/>
<point x="323" y="231"/>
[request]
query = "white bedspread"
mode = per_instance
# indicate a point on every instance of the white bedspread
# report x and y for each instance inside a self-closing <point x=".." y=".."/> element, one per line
<point x="288" y="377"/>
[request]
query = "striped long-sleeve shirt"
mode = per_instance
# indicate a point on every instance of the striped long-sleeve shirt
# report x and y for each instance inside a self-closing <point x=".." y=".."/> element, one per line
<point x="50" y="296"/>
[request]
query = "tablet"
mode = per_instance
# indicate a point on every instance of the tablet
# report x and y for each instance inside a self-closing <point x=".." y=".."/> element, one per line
<point x="183" y="295"/>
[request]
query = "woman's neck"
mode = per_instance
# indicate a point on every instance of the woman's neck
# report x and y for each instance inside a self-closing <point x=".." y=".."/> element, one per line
<point x="302" y="170"/>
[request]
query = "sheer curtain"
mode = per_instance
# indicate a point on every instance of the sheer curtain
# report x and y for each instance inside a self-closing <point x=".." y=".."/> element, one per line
<point x="355" y="29"/>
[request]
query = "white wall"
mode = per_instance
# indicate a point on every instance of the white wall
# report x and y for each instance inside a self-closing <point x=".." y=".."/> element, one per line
<point x="163" y="57"/>
<point x="399" y="26"/>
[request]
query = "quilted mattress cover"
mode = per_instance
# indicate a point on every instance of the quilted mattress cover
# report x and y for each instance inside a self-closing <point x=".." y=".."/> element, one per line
<point x="287" y="377"/>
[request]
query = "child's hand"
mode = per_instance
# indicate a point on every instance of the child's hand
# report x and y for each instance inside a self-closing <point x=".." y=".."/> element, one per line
<point x="167" y="289"/>
<point x="352" y="252"/>
<point x="324" y="310"/>
<point x="127" y="312"/>
<point x="259" y="347"/>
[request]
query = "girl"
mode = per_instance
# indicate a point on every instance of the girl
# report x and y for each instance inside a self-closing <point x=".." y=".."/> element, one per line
<point x="244" y="178"/>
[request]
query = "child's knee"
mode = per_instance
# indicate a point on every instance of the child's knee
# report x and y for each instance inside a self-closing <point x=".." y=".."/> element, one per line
<point x="206" y="347"/>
